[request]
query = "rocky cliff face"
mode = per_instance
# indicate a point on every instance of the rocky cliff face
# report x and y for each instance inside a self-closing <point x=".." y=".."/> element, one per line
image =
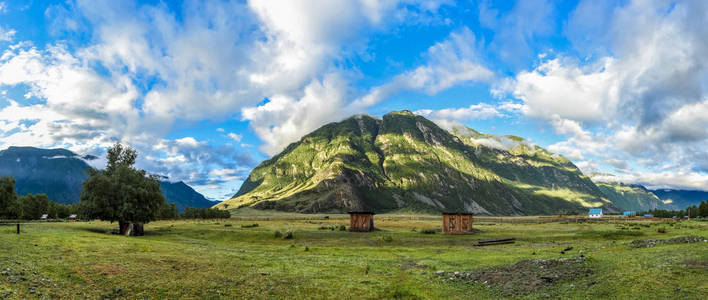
<point x="406" y="162"/>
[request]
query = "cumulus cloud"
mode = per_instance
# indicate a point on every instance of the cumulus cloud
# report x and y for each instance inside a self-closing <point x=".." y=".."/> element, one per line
<point x="284" y="119"/>
<point x="146" y="66"/>
<point x="450" y="62"/>
<point x="642" y="89"/>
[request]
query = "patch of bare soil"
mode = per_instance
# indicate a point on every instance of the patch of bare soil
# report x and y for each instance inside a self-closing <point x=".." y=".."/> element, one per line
<point x="525" y="276"/>
<point x="692" y="263"/>
<point x="678" y="240"/>
<point x="108" y="269"/>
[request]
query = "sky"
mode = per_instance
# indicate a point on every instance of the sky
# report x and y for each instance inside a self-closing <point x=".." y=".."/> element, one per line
<point x="206" y="90"/>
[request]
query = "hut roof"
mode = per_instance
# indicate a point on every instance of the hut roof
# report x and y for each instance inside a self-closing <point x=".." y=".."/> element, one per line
<point x="595" y="211"/>
<point x="457" y="213"/>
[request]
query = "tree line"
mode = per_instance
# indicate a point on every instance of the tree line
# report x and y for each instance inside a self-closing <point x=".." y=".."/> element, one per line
<point x="700" y="210"/>
<point x="120" y="193"/>
<point x="29" y="207"/>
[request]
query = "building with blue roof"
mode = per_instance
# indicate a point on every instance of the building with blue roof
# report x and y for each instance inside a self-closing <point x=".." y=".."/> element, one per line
<point x="595" y="213"/>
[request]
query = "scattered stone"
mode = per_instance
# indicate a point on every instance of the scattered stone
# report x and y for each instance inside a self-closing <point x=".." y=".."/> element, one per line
<point x="678" y="240"/>
<point x="525" y="276"/>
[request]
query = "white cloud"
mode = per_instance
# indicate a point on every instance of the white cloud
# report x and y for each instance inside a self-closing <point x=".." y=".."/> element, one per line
<point x="283" y="120"/>
<point x="473" y="112"/>
<point x="236" y="137"/>
<point x="7" y="35"/>
<point x="450" y="62"/>
<point x="640" y="97"/>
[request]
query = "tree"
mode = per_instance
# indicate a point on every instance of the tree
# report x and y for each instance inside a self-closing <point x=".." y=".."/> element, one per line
<point x="8" y="198"/>
<point x="32" y="207"/>
<point x="122" y="193"/>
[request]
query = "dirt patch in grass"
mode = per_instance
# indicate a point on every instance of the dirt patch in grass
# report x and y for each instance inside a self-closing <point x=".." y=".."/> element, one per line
<point x="693" y="263"/>
<point x="108" y="269"/>
<point x="678" y="240"/>
<point x="525" y="276"/>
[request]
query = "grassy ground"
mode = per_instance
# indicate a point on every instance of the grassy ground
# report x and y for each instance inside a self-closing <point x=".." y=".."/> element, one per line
<point x="221" y="259"/>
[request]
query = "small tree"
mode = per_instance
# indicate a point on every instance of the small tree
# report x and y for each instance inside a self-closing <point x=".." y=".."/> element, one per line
<point x="122" y="193"/>
<point x="8" y="198"/>
<point x="32" y="207"/>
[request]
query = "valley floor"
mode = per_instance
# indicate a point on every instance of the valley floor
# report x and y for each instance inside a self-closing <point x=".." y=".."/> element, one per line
<point x="228" y="259"/>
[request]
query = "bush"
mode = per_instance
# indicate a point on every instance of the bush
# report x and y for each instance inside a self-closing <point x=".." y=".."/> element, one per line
<point x="249" y="225"/>
<point x="428" y="231"/>
<point x="289" y="235"/>
<point x="661" y="230"/>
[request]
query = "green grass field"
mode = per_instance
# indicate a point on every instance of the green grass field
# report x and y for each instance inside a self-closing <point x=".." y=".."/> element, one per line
<point x="220" y="259"/>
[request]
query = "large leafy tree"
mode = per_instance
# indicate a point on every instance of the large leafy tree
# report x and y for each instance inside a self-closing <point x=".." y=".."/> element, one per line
<point x="122" y="193"/>
<point x="32" y="207"/>
<point x="8" y="198"/>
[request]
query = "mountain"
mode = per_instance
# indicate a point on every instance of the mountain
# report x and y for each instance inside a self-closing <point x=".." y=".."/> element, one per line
<point x="59" y="173"/>
<point x="631" y="196"/>
<point x="406" y="162"/>
<point x="681" y="199"/>
<point x="183" y="195"/>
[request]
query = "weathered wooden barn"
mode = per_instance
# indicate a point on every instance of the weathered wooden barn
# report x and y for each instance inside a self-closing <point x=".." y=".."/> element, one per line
<point x="457" y="223"/>
<point x="362" y="221"/>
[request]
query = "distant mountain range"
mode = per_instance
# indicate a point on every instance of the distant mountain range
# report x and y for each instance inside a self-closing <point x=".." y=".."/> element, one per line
<point x="681" y="198"/>
<point x="632" y="197"/>
<point x="59" y="173"/>
<point x="405" y="162"/>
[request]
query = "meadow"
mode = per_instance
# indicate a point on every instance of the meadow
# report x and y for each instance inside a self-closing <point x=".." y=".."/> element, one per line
<point x="313" y="259"/>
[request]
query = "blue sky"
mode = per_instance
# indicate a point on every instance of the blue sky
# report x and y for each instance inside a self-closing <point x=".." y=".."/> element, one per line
<point x="207" y="90"/>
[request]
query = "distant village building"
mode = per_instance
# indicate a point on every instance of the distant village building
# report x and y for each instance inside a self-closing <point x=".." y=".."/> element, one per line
<point x="629" y="213"/>
<point x="72" y="218"/>
<point x="457" y="223"/>
<point x="595" y="213"/>
<point x="362" y="221"/>
<point x="44" y="217"/>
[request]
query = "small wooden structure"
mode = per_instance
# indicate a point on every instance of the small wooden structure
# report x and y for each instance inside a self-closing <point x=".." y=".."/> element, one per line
<point x="362" y="221"/>
<point x="44" y="217"/>
<point x="72" y="218"/>
<point x="457" y="223"/>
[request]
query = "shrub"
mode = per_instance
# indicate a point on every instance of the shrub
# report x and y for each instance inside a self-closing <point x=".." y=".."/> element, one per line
<point x="342" y="228"/>
<point x="289" y="234"/>
<point x="428" y="231"/>
<point x="661" y="230"/>
<point x="249" y="225"/>
<point x="278" y="234"/>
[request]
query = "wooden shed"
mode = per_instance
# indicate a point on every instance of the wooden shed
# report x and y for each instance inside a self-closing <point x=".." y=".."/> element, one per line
<point x="457" y="223"/>
<point x="361" y="221"/>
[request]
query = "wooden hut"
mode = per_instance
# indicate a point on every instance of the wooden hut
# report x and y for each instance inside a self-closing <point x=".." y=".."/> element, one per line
<point x="457" y="223"/>
<point x="361" y="221"/>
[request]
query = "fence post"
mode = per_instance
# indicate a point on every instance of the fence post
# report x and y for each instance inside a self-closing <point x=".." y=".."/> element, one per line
<point x="18" y="228"/>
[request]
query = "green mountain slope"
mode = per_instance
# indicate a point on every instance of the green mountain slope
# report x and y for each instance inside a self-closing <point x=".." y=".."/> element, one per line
<point x="631" y="196"/>
<point x="404" y="161"/>
<point x="59" y="173"/>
